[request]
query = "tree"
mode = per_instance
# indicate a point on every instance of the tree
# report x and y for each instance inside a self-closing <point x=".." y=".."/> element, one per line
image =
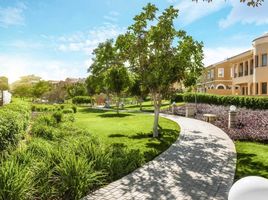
<point x="137" y="90"/>
<point x="92" y="87"/>
<point x="104" y="59"/>
<point x="117" y="80"/>
<point x="24" y="86"/>
<point x="40" y="88"/>
<point x="58" y="93"/>
<point x="253" y="3"/>
<point x="159" y="54"/>
<point x="77" y="89"/>
<point x="191" y="80"/>
<point x="4" y="83"/>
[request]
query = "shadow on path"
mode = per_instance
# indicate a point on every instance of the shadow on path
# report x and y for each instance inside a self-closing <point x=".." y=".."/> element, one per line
<point x="200" y="165"/>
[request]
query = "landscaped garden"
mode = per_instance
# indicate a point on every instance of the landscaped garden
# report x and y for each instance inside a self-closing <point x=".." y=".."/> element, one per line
<point x="251" y="132"/>
<point x="64" y="152"/>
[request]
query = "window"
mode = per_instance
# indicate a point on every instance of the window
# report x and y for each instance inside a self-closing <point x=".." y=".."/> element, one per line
<point x="212" y="73"/>
<point x="221" y="72"/>
<point x="241" y="68"/>
<point x="246" y="68"/>
<point x="256" y="61"/>
<point x="257" y="88"/>
<point x="220" y="87"/>
<point x="264" y="88"/>
<point x="264" y="59"/>
<point x="251" y="66"/>
<point x="208" y="75"/>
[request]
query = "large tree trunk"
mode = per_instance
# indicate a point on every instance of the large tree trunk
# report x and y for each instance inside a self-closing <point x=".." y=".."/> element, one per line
<point x="157" y="104"/>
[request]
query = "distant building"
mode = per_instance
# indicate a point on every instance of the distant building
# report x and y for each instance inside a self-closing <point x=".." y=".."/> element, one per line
<point x="242" y="74"/>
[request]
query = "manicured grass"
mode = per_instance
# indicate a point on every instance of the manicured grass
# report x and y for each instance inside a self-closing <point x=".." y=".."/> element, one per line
<point x="128" y="129"/>
<point x="252" y="159"/>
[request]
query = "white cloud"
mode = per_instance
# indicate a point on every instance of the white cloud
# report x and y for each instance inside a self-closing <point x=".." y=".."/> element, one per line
<point x="214" y="55"/>
<point x="10" y="16"/>
<point x="112" y="16"/>
<point x="87" y="41"/>
<point x="15" y="66"/>
<point x="190" y="11"/>
<point x="245" y="14"/>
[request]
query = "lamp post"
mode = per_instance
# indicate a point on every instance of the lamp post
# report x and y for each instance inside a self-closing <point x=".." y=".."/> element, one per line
<point x="232" y="117"/>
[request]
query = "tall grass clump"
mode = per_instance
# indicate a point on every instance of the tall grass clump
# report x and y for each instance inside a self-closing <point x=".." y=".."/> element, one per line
<point x="15" y="181"/>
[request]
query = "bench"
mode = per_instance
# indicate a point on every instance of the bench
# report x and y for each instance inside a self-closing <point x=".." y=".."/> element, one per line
<point x="210" y="117"/>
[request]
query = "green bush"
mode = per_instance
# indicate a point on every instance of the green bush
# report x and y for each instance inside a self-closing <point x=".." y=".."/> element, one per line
<point x="43" y="131"/>
<point x="68" y="111"/>
<point x="177" y="98"/>
<point x="13" y="122"/>
<point x="58" y="116"/>
<point x="239" y="101"/>
<point x="81" y="100"/>
<point x="15" y="181"/>
<point x="74" y="109"/>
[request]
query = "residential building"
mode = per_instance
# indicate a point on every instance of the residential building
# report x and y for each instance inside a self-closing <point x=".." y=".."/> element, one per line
<point x="242" y="74"/>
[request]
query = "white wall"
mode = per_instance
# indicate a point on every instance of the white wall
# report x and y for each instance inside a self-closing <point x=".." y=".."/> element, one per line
<point x="6" y="97"/>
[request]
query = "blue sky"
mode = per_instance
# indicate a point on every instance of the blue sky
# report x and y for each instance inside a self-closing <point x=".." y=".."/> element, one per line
<point x="54" y="38"/>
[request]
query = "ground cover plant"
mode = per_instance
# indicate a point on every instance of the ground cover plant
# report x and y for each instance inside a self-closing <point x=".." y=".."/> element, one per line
<point x="252" y="125"/>
<point x="63" y="158"/>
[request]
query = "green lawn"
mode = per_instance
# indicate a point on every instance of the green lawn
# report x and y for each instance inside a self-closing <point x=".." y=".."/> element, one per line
<point x="129" y="129"/>
<point x="252" y="159"/>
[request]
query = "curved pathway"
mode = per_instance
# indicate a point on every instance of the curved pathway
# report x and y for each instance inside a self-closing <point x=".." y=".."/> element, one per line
<point x="200" y="165"/>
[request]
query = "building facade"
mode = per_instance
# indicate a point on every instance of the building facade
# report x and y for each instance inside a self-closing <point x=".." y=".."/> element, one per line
<point x="242" y="74"/>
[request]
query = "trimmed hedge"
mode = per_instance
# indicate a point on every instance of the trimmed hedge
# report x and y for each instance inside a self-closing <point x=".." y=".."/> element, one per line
<point x="239" y="101"/>
<point x="13" y="122"/>
<point x="81" y="100"/>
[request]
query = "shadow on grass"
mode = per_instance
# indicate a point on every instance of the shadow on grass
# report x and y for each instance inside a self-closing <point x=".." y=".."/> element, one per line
<point x="112" y="115"/>
<point x="92" y="110"/>
<point x="141" y="136"/>
<point x="116" y="135"/>
<point x="247" y="167"/>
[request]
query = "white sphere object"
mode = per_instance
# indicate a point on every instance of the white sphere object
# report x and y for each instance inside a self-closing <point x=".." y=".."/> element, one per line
<point x="232" y="108"/>
<point x="249" y="188"/>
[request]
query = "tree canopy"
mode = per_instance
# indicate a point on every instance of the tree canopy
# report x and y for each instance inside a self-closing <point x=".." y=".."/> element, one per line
<point x="252" y="3"/>
<point x="159" y="54"/>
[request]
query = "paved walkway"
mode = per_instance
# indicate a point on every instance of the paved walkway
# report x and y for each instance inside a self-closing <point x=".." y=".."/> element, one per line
<point x="200" y="165"/>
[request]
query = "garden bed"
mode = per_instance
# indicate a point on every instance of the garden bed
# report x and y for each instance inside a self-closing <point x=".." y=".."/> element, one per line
<point x="252" y="125"/>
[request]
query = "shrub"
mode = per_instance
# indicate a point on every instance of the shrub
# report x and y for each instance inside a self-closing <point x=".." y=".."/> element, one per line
<point x="74" y="109"/>
<point x="68" y="111"/>
<point x="13" y="122"/>
<point x="58" y="116"/>
<point x="61" y="107"/>
<point x="15" y="181"/>
<point x="81" y="100"/>
<point x="74" y="176"/>
<point x="43" y="131"/>
<point x="177" y="98"/>
<point x="239" y="101"/>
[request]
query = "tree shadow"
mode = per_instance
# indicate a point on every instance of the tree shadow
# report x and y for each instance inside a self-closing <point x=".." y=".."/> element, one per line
<point x="115" y="115"/>
<point x="92" y="110"/>
<point x="246" y="166"/>
<point x="200" y="165"/>
<point x="116" y="135"/>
